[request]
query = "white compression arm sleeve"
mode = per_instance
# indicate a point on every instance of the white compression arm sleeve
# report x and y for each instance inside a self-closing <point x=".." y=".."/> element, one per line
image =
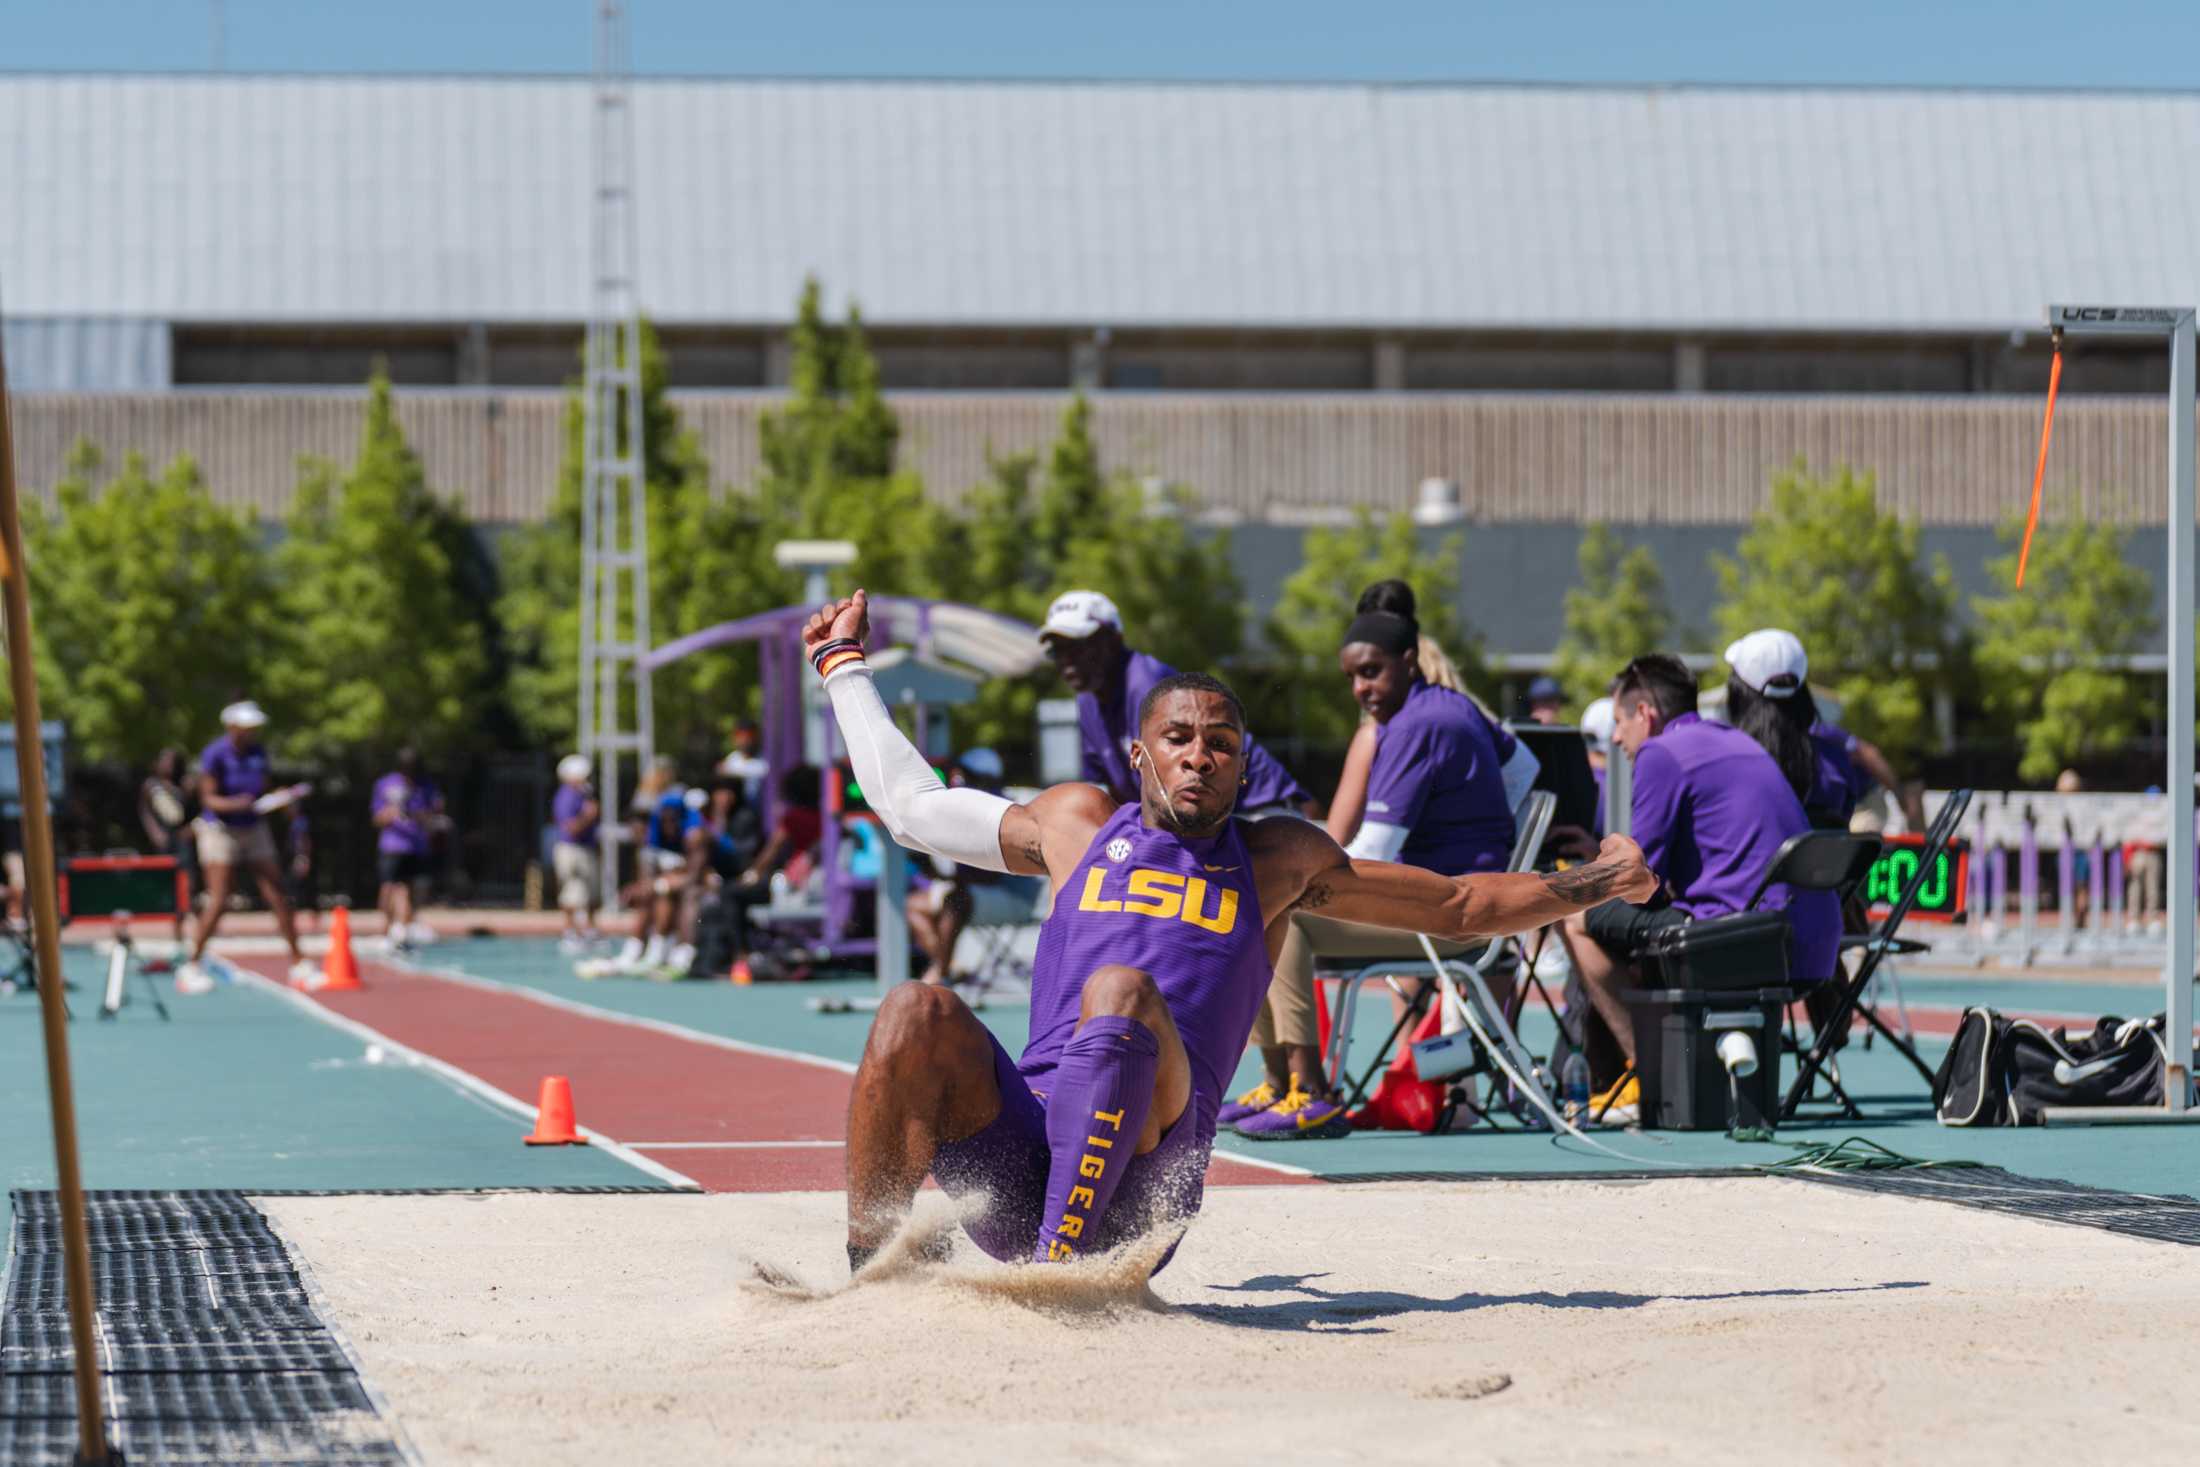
<point x="1519" y="774"/>
<point x="1375" y="841"/>
<point x="919" y="812"/>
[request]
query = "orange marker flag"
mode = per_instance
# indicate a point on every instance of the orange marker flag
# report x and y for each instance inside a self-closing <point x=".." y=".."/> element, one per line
<point x="2047" y="431"/>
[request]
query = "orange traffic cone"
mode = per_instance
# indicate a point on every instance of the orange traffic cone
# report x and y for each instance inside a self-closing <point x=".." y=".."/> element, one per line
<point x="554" y="1115"/>
<point x="740" y="973"/>
<point x="339" y="969"/>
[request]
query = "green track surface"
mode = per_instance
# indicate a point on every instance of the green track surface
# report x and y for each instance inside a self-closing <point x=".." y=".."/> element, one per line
<point x="244" y="1089"/>
<point x="2152" y="1159"/>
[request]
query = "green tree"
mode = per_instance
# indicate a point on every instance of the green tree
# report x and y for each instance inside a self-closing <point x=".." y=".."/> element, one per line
<point x="1616" y="611"/>
<point x="150" y="607"/>
<point x="1031" y="532"/>
<point x="1302" y="690"/>
<point x="2044" y="652"/>
<point x="827" y="473"/>
<point x="379" y="646"/>
<point x="1823" y="560"/>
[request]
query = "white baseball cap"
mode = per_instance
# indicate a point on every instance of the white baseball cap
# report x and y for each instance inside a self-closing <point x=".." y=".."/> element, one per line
<point x="1596" y="725"/>
<point x="246" y="714"/>
<point x="1078" y="614"/>
<point x="1766" y="654"/>
<point x="574" y="769"/>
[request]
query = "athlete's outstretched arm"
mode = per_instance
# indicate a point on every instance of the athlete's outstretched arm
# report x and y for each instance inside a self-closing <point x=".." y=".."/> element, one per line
<point x="1410" y="899"/>
<point x="966" y="825"/>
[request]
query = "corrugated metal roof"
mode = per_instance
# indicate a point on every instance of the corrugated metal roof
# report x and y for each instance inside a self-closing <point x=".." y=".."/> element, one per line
<point x="343" y="198"/>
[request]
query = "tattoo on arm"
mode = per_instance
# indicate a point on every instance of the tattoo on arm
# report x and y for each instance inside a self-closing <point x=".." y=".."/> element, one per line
<point x="1587" y="885"/>
<point x="1317" y="894"/>
<point x="1034" y="853"/>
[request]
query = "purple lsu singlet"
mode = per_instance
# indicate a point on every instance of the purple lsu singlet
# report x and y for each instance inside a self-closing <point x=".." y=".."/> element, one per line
<point x="1185" y="912"/>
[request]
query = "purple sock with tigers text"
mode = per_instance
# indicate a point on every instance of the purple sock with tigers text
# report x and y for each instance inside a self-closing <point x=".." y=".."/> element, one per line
<point x="1099" y="1095"/>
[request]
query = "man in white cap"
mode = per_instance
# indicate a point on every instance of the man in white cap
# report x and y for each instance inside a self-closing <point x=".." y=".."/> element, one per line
<point x="232" y="833"/>
<point x="1083" y="633"/>
<point x="575" y="811"/>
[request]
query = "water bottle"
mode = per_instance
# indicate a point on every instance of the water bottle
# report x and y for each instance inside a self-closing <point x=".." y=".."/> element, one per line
<point x="1574" y="1081"/>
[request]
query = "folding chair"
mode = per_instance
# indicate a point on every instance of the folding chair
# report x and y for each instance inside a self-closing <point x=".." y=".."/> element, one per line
<point x="1877" y="946"/>
<point x="1817" y="860"/>
<point x="1002" y="972"/>
<point x="1531" y="823"/>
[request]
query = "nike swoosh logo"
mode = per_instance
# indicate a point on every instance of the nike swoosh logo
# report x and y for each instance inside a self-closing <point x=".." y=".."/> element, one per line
<point x="1206" y="867"/>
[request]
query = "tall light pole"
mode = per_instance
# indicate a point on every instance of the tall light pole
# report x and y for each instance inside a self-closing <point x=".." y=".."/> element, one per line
<point x="614" y="723"/>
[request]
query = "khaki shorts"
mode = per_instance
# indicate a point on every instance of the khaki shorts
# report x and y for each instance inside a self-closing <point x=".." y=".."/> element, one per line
<point x="236" y="845"/>
<point x="579" y="873"/>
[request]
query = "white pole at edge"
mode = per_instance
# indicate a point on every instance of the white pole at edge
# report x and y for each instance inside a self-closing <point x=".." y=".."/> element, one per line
<point x="2178" y="977"/>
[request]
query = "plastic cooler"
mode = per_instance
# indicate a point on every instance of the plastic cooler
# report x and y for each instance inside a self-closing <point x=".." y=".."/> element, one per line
<point x="1717" y="976"/>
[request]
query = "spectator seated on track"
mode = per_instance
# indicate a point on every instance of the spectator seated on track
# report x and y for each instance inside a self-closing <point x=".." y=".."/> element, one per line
<point x="721" y="842"/>
<point x="658" y="822"/>
<point x="1711" y="810"/>
<point x="786" y="864"/>
<point x="745" y="762"/>
<point x="941" y="906"/>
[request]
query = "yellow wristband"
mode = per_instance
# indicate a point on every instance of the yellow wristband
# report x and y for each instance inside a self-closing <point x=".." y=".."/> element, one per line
<point x="837" y="661"/>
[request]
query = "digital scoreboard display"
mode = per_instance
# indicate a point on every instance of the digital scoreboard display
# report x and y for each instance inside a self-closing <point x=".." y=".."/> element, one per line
<point x="98" y="887"/>
<point x="1940" y="899"/>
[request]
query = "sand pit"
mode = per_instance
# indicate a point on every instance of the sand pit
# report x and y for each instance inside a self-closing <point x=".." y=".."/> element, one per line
<point x="1684" y="1320"/>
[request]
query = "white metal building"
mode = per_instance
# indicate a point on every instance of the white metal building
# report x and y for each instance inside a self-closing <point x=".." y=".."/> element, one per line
<point x="217" y="229"/>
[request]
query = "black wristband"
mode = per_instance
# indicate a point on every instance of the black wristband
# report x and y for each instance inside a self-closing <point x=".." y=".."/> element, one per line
<point x="823" y="650"/>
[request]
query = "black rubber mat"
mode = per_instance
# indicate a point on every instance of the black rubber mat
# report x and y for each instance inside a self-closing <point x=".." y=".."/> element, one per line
<point x="2167" y="1219"/>
<point x="2162" y="1219"/>
<point x="210" y="1345"/>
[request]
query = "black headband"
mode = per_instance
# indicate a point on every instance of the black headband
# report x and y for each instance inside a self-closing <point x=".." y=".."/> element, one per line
<point x="1393" y="633"/>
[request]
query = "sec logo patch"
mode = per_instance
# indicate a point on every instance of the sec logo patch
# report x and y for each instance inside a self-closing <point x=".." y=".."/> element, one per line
<point x="1119" y="849"/>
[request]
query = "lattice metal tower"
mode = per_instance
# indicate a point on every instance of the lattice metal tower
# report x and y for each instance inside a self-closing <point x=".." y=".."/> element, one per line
<point x="615" y="714"/>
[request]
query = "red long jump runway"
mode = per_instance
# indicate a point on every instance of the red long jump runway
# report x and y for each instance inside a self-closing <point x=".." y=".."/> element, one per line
<point x="755" y="1121"/>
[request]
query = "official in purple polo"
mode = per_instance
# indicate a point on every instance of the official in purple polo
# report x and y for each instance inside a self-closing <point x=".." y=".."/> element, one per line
<point x="1711" y="809"/>
<point x="1083" y="633"/>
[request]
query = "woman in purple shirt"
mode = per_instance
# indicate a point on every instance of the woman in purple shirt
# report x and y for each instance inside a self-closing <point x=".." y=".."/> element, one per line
<point x="1437" y="799"/>
<point x="232" y="833"/>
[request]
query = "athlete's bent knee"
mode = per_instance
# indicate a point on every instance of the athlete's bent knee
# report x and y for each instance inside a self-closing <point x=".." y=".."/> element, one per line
<point x="1120" y="989"/>
<point x="922" y="1020"/>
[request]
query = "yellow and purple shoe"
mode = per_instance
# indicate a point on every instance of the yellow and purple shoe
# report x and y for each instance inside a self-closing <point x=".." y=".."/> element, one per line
<point x="1251" y="1103"/>
<point x="1299" y="1116"/>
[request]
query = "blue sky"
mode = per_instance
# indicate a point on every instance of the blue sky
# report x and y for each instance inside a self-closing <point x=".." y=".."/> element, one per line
<point x="2100" y="43"/>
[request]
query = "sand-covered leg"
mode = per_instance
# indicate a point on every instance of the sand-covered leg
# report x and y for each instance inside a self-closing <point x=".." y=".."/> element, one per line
<point x="926" y="1078"/>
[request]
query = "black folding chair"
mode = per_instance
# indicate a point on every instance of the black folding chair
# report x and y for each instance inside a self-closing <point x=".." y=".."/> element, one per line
<point x="1877" y="946"/>
<point x="1816" y="860"/>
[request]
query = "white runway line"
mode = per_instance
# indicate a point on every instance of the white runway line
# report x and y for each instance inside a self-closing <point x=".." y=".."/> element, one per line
<point x="726" y="1145"/>
<point x="464" y="1080"/>
<point x="574" y="1005"/>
